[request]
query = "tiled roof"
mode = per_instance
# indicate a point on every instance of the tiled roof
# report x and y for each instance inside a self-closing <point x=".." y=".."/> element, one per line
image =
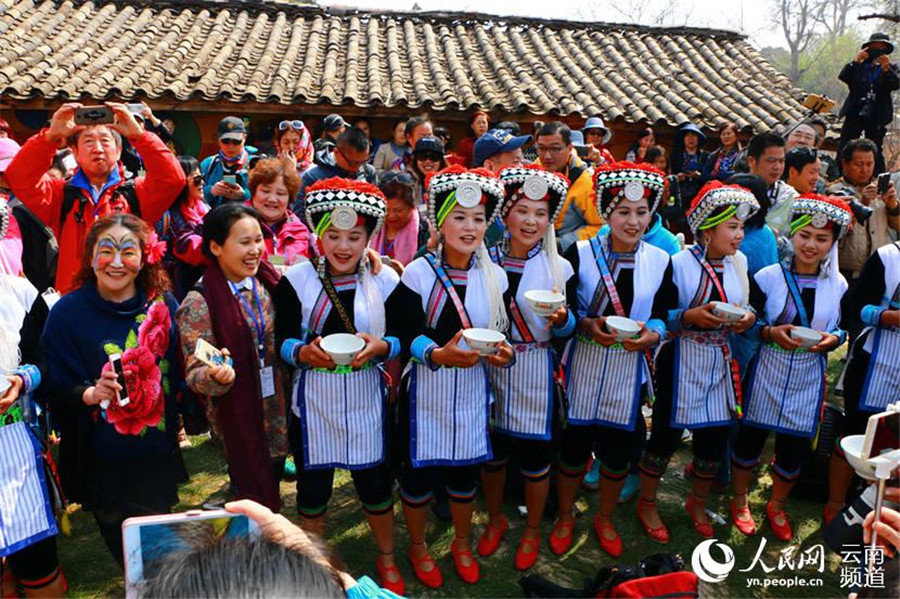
<point x="283" y="54"/>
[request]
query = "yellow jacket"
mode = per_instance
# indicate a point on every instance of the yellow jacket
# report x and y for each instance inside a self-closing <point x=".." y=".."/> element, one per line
<point x="579" y="218"/>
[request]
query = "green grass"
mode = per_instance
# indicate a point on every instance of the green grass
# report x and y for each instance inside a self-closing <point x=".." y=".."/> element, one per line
<point x="91" y="572"/>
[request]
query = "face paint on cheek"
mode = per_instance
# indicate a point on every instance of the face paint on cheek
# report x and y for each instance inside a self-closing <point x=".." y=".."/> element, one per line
<point x="130" y="255"/>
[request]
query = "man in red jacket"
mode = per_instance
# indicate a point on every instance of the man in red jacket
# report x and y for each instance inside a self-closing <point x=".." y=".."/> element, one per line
<point x="98" y="188"/>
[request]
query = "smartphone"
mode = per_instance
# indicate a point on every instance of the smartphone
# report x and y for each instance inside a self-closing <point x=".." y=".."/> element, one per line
<point x="135" y="108"/>
<point x="884" y="180"/>
<point x="94" y="115"/>
<point x="121" y="396"/>
<point x="230" y="179"/>
<point x="148" y="539"/>
<point x="207" y="353"/>
<point x="582" y="151"/>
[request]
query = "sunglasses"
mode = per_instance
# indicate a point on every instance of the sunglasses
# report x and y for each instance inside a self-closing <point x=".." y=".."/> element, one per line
<point x="284" y="125"/>
<point x="198" y="180"/>
<point x="401" y="177"/>
<point x="231" y="142"/>
<point x="432" y="156"/>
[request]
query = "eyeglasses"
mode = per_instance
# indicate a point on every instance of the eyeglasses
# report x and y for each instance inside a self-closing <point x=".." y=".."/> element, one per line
<point x="541" y="150"/>
<point x="284" y="125"/>
<point x="231" y="142"/>
<point x="353" y="164"/>
<point x="401" y="177"/>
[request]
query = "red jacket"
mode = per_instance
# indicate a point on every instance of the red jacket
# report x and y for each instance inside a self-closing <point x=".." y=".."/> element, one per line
<point x="27" y="176"/>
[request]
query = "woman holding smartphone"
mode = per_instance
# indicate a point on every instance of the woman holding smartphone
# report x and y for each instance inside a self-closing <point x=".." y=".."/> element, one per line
<point x="338" y="412"/>
<point x="119" y="456"/>
<point x="231" y="308"/>
<point x="699" y="383"/>
<point x="525" y="393"/>
<point x="446" y="393"/>
<point x="785" y="384"/>
<point x="617" y="275"/>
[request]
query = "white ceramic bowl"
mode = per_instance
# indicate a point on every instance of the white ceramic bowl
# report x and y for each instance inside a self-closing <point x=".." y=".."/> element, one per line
<point x="623" y="328"/>
<point x="484" y="341"/>
<point x="806" y="336"/>
<point x="342" y="347"/>
<point x="728" y="312"/>
<point x="852" y="446"/>
<point x="544" y="303"/>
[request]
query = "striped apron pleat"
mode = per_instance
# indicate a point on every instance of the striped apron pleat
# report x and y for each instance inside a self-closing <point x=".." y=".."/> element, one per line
<point x="703" y="385"/>
<point x="603" y="384"/>
<point x="524" y="392"/>
<point x="26" y="515"/>
<point x="882" y="383"/>
<point x="342" y="418"/>
<point x="785" y="391"/>
<point x="449" y="411"/>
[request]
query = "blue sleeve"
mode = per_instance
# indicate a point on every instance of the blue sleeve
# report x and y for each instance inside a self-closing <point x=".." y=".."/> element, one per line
<point x="421" y="349"/>
<point x="657" y="326"/>
<point x="393" y="348"/>
<point x="208" y="180"/>
<point x="290" y="352"/>
<point x="567" y="328"/>
<point x="365" y="588"/>
<point x="871" y="315"/>
<point x="675" y="321"/>
<point x="31" y="377"/>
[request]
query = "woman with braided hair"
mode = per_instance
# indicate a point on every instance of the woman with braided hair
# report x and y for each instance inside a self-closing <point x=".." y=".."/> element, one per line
<point x="337" y="415"/>
<point x="446" y="394"/>
<point x="785" y="383"/>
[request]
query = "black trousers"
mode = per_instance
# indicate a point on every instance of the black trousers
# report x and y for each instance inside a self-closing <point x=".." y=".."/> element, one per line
<point x="790" y="451"/>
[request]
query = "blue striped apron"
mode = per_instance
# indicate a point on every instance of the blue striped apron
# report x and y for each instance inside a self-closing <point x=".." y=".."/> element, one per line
<point x="26" y="515"/>
<point x="449" y="411"/>
<point x="342" y="417"/>
<point x="705" y="387"/>
<point x="524" y="393"/>
<point x="785" y="389"/>
<point x="882" y="383"/>
<point x="449" y="407"/>
<point x="603" y="384"/>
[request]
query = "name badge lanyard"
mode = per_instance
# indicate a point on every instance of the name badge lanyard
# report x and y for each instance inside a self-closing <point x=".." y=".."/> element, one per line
<point x="258" y="323"/>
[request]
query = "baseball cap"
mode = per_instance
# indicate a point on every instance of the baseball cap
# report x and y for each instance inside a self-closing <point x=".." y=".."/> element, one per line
<point x="429" y="145"/>
<point x="333" y="122"/>
<point x="494" y="142"/>
<point x="8" y="150"/>
<point x="231" y="127"/>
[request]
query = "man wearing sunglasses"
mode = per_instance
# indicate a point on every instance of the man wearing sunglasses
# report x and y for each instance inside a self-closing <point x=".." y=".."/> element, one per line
<point x="225" y="173"/>
<point x="348" y="159"/>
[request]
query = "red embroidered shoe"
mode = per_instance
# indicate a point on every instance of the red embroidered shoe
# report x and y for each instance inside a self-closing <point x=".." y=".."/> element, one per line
<point x="659" y="534"/>
<point x="560" y="544"/>
<point x="611" y="546"/>
<point x="397" y="586"/>
<point x="490" y="540"/>
<point x="527" y="553"/>
<point x="746" y="524"/>
<point x="704" y="529"/>
<point x="469" y="573"/>
<point x="782" y="530"/>
<point x="431" y="578"/>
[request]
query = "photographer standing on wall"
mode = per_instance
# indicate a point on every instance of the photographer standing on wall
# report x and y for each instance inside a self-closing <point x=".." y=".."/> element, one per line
<point x="871" y="78"/>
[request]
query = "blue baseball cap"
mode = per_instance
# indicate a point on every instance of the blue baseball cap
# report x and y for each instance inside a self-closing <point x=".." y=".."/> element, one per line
<point x="494" y="142"/>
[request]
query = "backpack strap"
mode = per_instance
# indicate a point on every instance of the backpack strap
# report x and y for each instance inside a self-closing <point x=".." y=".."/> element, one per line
<point x="73" y="194"/>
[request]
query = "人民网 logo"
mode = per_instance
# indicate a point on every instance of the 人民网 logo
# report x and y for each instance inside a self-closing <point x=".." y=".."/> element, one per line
<point x="706" y="567"/>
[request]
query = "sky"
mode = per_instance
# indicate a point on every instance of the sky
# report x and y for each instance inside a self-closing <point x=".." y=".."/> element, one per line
<point x="751" y="17"/>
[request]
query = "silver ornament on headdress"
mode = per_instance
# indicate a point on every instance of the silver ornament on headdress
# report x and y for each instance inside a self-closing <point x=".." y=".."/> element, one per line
<point x="343" y="218"/>
<point x="633" y="191"/>
<point x="468" y="194"/>
<point x="535" y="187"/>
<point x="819" y="220"/>
<point x="742" y="211"/>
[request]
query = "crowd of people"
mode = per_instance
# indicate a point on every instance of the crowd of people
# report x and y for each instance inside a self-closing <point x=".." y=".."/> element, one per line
<point x="684" y="287"/>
